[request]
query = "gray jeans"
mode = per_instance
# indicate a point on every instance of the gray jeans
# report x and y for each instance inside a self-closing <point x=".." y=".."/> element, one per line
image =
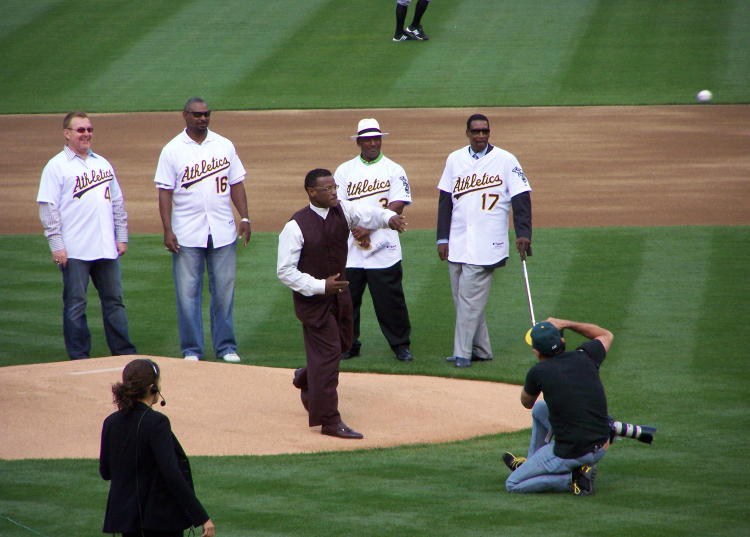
<point x="471" y="286"/>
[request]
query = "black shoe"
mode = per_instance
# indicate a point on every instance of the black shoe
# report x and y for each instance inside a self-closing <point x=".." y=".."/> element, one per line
<point x="341" y="431"/>
<point x="418" y="32"/>
<point x="405" y="36"/>
<point x="582" y="482"/>
<point x="351" y="353"/>
<point x="513" y="462"/>
<point x="404" y="354"/>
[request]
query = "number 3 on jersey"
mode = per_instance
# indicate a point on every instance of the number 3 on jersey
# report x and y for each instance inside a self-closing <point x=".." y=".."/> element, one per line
<point x="489" y="201"/>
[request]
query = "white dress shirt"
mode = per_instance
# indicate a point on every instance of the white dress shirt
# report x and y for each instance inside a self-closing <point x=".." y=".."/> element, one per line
<point x="291" y="242"/>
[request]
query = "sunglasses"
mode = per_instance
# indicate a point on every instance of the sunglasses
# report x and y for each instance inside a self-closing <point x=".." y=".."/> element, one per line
<point x="81" y="130"/>
<point x="197" y="115"/>
<point x="479" y="131"/>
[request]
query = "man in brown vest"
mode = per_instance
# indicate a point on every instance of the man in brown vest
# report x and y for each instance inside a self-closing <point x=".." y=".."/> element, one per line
<point x="311" y="259"/>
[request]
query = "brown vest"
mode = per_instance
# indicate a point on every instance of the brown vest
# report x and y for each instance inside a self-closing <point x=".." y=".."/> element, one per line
<point x="325" y="245"/>
<point x="323" y="254"/>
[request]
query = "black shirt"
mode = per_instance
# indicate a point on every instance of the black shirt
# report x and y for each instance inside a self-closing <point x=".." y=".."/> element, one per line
<point x="151" y="486"/>
<point x="575" y="397"/>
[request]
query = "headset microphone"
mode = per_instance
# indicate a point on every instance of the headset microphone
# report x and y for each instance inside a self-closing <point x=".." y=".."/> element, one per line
<point x="163" y="401"/>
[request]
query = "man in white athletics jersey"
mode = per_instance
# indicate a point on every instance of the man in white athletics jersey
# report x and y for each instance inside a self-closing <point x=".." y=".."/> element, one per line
<point x="199" y="177"/>
<point x="479" y="186"/>
<point x="374" y="257"/>
<point x="83" y="214"/>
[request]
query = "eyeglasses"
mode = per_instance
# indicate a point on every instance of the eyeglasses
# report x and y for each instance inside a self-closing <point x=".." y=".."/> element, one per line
<point x="81" y="130"/>
<point x="479" y="131"/>
<point x="329" y="189"/>
<point x="197" y="115"/>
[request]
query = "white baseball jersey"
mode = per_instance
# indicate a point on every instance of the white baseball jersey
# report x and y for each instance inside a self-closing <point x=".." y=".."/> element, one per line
<point x="200" y="176"/>
<point x="481" y="191"/>
<point x="375" y="183"/>
<point x="82" y="190"/>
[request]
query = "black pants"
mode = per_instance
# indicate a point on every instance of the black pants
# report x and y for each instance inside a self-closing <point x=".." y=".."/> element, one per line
<point x="387" y="298"/>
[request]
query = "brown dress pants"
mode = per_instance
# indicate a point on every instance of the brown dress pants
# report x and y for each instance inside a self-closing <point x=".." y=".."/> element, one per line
<point x="327" y="327"/>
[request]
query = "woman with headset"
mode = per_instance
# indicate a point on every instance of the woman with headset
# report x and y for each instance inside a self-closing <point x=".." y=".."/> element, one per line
<point x="151" y="490"/>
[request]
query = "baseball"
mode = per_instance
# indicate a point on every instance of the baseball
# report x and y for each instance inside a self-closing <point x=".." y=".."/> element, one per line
<point x="704" y="96"/>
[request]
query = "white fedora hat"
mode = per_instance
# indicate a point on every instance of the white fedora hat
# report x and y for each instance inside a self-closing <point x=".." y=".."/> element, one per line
<point x="367" y="128"/>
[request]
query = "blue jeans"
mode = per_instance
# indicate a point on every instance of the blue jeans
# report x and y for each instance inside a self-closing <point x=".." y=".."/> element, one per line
<point x="187" y="269"/>
<point x="105" y="273"/>
<point x="543" y="470"/>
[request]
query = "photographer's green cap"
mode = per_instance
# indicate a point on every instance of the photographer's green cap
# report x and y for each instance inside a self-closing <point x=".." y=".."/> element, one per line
<point x="545" y="338"/>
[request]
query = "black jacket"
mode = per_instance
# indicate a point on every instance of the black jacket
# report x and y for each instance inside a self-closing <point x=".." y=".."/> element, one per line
<point x="139" y="452"/>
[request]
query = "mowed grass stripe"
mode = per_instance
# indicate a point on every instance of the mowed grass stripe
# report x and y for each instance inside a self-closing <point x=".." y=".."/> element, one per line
<point x="628" y="49"/>
<point x="605" y="264"/>
<point x="340" y="53"/>
<point x="486" y="54"/>
<point x="715" y="364"/>
<point x="205" y="47"/>
<point x="725" y="304"/>
<point x="20" y="13"/>
<point x="737" y="51"/>
<point x="662" y="317"/>
<point x="54" y="55"/>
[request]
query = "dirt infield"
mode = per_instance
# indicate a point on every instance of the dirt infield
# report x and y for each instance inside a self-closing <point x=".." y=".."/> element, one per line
<point x="594" y="166"/>
<point x="258" y="411"/>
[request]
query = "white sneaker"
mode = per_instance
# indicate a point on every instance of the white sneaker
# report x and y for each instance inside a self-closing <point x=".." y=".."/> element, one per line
<point x="191" y="357"/>
<point x="231" y="357"/>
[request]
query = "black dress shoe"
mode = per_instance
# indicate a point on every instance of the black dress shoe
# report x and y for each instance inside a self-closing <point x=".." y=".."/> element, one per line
<point x="351" y="353"/>
<point x="404" y="354"/>
<point x="341" y="431"/>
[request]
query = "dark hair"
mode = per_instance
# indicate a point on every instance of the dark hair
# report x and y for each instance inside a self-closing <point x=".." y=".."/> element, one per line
<point x="190" y="101"/>
<point x="137" y="377"/>
<point x="312" y="176"/>
<point x="476" y="117"/>
<point x="69" y="117"/>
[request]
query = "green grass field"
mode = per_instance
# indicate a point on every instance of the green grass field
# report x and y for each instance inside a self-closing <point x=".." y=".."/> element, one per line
<point x="676" y="298"/>
<point x="672" y="296"/>
<point x="250" y="54"/>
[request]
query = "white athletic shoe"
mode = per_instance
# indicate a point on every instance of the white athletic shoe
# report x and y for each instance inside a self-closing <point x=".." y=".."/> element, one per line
<point x="191" y="357"/>
<point x="231" y="357"/>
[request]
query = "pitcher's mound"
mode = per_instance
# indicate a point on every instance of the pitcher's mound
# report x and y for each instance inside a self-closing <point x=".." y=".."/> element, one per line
<point x="55" y="410"/>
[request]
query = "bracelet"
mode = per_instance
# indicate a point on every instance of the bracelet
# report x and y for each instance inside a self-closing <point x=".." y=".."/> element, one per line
<point x="245" y="220"/>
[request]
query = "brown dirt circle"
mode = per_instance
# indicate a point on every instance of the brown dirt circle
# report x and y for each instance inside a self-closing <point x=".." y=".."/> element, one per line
<point x="256" y="411"/>
<point x="592" y="166"/>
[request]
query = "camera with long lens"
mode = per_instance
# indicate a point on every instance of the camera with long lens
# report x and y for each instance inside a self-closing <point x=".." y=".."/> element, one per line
<point x="642" y="433"/>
